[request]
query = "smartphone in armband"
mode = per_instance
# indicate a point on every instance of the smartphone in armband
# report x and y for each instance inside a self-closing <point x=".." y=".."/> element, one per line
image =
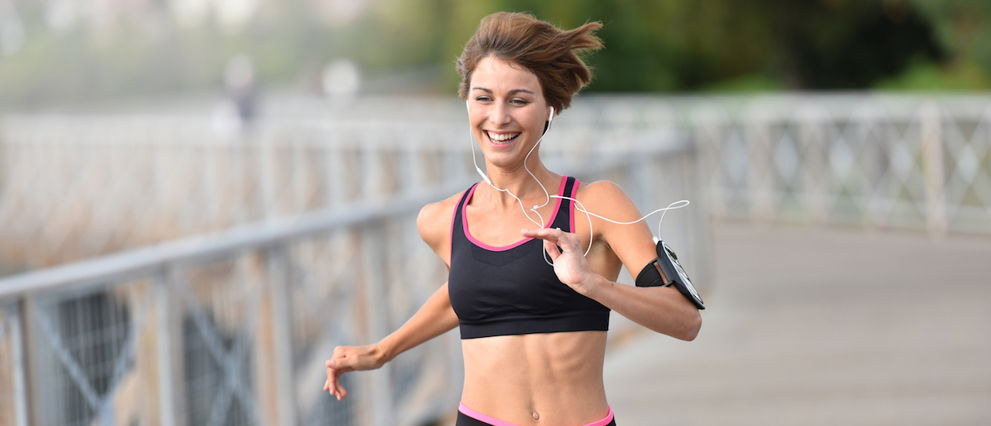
<point x="666" y="271"/>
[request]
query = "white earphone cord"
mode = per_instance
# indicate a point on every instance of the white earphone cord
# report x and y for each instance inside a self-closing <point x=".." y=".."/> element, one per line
<point x="578" y="205"/>
<point x="489" y="181"/>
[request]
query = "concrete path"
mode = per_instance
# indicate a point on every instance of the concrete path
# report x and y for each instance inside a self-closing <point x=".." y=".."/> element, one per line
<point x="822" y="327"/>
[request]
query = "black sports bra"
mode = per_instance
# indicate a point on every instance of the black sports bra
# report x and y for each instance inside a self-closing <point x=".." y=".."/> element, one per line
<point x="511" y="290"/>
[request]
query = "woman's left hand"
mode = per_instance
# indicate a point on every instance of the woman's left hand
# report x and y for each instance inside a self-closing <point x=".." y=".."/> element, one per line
<point x="569" y="262"/>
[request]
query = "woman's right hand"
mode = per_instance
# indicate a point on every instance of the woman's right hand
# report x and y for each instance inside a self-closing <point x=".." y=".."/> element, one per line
<point x="351" y="358"/>
<point x="435" y="317"/>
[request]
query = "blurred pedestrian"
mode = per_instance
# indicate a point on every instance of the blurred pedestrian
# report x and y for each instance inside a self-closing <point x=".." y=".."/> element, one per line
<point x="232" y="118"/>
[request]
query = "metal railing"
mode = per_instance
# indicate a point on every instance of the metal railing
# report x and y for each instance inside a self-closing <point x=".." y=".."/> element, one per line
<point x="74" y="187"/>
<point x="234" y="327"/>
<point x="900" y="162"/>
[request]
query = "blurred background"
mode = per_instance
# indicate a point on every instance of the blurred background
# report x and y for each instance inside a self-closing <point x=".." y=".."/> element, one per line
<point x="199" y="199"/>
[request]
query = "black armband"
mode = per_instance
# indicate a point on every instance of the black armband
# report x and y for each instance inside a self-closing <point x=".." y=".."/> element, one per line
<point x="665" y="271"/>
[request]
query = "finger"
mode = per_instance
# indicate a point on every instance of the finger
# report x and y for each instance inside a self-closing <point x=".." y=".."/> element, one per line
<point x="573" y="243"/>
<point x="341" y="391"/>
<point x="330" y="385"/>
<point x="334" y="384"/>
<point x="566" y="242"/>
<point x="552" y="249"/>
<point x="547" y="234"/>
<point x="341" y="361"/>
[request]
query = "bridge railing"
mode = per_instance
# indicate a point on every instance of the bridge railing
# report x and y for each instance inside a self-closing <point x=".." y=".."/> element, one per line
<point x="234" y="327"/>
<point x="896" y="162"/>
<point x="74" y="187"/>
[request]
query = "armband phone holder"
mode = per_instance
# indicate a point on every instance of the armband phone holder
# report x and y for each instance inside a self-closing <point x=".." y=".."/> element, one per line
<point x="665" y="271"/>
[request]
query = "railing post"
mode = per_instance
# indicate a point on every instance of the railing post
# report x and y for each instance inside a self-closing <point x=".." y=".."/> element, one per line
<point x="380" y="397"/>
<point x="279" y="282"/>
<point x="29" y="349"/>
<point x="20" y="386"/>
<point x="372" y="164"/>
<point x="166" y="374"/>
<point x="697" y="235"/>
<point x="267" y="159"/>
<point x="760" y="178"/>
<point x="813" y="139"/>
<point x="298" y="172"/>
<point x="932" y="167"/>
<point x="335" y="174"/>
<point x="706" y="130"/>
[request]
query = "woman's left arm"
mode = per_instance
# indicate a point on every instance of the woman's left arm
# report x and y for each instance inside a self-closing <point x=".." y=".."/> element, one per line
<point x="662" y="309"/>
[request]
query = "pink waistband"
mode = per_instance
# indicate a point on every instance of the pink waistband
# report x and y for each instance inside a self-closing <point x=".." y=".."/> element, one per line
<point x="496" y="422"/>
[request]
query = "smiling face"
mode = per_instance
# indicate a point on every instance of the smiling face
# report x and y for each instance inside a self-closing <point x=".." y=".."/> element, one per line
<point x="507" y="111"/>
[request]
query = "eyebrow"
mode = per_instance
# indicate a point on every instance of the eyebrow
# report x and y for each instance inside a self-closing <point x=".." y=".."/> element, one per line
<point x="511" y="92"/>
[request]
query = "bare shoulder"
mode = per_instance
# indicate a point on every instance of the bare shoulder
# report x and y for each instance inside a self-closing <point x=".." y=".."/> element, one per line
<point x="434" y="224"/>
<point x="608" y="199"/>
<point x="600" y="188"/>
<point x="630" y="241"/>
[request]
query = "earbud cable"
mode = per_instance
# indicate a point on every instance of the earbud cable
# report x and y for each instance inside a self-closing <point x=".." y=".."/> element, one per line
<point x="578" y="205"/>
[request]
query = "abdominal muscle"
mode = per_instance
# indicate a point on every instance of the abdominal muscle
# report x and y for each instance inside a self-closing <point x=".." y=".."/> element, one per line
<point x="530" y="379"/>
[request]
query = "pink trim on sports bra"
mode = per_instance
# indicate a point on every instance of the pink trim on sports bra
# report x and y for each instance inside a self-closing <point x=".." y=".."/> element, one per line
<point x="496" y="422"/>
<point x="574" y="196"/>
<point x="464" y="220"/>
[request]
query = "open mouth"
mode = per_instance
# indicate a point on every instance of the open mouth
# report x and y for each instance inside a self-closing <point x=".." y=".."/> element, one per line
<point x="502" y="138"/>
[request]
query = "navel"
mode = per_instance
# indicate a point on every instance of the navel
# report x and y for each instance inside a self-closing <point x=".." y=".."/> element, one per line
<point x="536" y="416"/>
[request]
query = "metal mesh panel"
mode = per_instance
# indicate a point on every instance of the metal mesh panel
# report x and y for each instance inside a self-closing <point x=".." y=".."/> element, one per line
<point x="327" y="410"/>
<point x="87" y="351"/>
<point x="419" y="382"/>
<point x="323" y="296"/>
<point x="221" y="303"/>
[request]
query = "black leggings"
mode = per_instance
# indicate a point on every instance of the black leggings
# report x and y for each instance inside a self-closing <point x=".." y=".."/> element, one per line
<point x="465" y="420"/>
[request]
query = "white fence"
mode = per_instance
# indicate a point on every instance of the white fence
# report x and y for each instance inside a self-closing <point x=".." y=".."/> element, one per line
<point x="887" y="162"/>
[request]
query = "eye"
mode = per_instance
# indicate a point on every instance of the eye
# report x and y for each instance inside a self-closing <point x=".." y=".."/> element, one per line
<point x="483" y="99"/>
<point x="519" y="102"/>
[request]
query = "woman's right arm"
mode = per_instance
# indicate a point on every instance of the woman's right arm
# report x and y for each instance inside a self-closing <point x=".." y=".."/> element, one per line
<point x="434" y="318"/>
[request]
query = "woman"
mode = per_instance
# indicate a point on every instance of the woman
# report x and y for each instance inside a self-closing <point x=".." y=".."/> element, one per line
<point x="533" y="335"/>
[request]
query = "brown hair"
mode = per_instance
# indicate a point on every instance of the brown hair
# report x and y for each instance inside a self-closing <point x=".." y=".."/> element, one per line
<point x="545" y="50"/>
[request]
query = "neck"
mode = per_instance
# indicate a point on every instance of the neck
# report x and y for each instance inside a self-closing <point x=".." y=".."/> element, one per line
<point x="521" y="184"/>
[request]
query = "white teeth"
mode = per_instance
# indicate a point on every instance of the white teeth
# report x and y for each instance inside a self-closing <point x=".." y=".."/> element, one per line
<point x="502" y="137"/>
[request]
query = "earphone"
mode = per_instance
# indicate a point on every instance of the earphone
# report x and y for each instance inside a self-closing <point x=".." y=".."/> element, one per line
<point x="485" y="176"/>
<point x="578" y="205"/>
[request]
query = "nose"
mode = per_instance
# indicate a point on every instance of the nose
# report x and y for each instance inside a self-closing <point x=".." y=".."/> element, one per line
<point x="499" y="114"/>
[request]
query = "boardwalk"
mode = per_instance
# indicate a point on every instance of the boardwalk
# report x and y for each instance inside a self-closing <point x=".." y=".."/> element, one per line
<point x="823" y="327"/>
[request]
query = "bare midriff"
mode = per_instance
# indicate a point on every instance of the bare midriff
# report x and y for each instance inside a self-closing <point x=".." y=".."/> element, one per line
<point x="537" y="379"/>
